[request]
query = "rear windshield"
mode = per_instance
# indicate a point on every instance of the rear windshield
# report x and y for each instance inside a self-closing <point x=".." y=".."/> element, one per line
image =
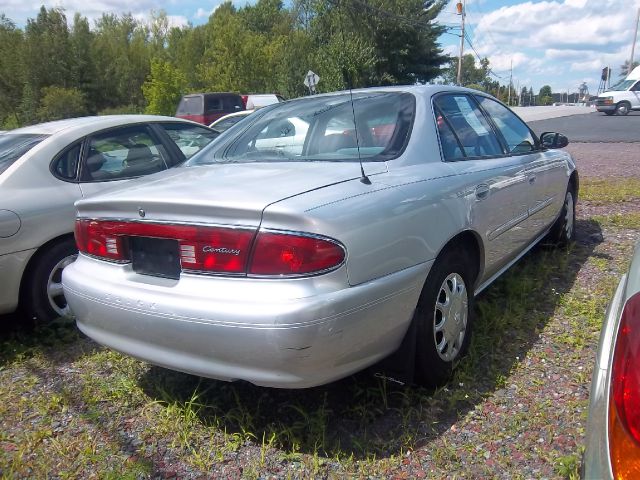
<point x="191" y="105"/>
<point x="319" y="129"/>
<point x="13" y="146"/>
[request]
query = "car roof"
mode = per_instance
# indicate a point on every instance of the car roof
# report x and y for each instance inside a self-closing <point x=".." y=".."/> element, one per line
<point x="96" y="122"/>
<point x="419" y="90"/>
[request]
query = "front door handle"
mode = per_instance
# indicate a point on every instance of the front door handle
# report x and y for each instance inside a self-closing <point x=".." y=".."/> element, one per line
<point x="482" y="191"/>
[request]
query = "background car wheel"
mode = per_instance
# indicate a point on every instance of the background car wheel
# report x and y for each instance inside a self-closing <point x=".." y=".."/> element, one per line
<point x="563" y="231"/>
<point x="608" y="113"/>
<point x="443" y="318"/>
<point x="43" y="299"/>
<point x="623" y="108"/>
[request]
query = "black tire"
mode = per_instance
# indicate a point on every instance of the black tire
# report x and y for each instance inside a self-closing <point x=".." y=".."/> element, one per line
<point x="609" y="112"/>
<point x="563" y="231"/>
<point x="623" y="108"/>
<point x="434" y="367"/>
<point x="47" y="267"/>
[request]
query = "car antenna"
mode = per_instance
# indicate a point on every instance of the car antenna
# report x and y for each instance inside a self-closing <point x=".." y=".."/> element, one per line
<point x="347" y="78"/>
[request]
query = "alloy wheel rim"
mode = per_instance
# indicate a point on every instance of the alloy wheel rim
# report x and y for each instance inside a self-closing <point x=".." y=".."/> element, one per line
<point x="569" y="215"/>
<point x="622" y="109"/>
<point x="55" y="293"/>
<point x="450" y="317"/>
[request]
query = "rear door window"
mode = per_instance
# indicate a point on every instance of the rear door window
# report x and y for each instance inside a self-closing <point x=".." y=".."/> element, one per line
<point x="123" y="153"/>
<point x="14" y="146"/>
<point x="463" y="129"/>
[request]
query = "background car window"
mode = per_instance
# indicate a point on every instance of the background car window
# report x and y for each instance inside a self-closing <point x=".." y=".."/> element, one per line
<point x="12" y="147"/>
<point x="123" y="153"/>
<point x="66" y="165"/>
<point x="636" y="87"/>
<point x="190" y="139"/>
<point x="472" y="131"/>
<point x="515" y="132"/>
<point x="212" y="104"/>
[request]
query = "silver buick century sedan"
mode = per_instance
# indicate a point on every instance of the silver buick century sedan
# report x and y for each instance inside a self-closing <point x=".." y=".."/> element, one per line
<point x="319" y="235"/>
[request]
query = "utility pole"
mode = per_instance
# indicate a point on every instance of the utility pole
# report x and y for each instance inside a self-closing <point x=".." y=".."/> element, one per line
<point x="633" y="45"/>
<point x="460" y="6"/>
<point x="510" y="81"/>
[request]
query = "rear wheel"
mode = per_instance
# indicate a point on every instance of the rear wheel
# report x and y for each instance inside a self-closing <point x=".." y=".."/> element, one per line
<point x="563" y="231"/>
<point x="444" y="317"/>
<point x="623" y="108"/>
<point x="42" y="296"/>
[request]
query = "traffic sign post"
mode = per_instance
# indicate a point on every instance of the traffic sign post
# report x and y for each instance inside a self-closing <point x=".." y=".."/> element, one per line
<point x="310" y="81"/>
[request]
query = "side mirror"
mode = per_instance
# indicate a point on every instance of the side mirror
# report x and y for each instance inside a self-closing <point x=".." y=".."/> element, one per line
<point x="553" y="140"/>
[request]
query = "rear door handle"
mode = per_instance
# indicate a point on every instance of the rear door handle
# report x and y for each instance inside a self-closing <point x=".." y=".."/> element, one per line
<point x="482" y="191"/>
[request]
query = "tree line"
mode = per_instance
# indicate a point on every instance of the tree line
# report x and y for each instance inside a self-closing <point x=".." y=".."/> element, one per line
<point x="55" y="68"/>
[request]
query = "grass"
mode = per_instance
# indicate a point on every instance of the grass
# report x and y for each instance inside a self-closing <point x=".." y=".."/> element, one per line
<point x="71" y="409"/>
<point x="630" y="220"/>
<point x="602" y="192"/>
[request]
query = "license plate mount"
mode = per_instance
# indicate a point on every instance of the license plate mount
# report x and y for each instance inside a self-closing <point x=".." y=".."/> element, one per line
<point x="158" y="257"/>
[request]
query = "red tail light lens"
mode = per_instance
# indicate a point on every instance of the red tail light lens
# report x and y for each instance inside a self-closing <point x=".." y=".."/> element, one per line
<point x="209" y="249"/>
<point x="624" y="406"/>
<point x="100" y="239"/>
<point x="215" y="249"/>
<point x="285" y="254"/>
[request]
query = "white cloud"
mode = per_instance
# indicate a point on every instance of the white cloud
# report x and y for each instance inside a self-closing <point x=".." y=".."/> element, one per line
<point x="555" y="42"/>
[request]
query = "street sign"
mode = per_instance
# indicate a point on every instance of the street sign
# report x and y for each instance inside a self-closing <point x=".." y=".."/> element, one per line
<point x="311" y="80"/>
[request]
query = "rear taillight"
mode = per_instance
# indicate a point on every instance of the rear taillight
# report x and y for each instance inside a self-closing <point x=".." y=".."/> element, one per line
<point x="216" y="249"/>
<point x="624" y="400"/>
<point x="100" y="239"/>
<point x="291" y="254"/>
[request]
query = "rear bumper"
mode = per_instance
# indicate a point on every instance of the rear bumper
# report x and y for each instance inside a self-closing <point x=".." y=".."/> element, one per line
<point x="12" y="267"/>
<point x="277" y="333"/>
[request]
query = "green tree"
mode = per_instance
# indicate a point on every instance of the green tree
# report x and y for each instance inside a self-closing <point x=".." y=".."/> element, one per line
<point x="47" y="58"/>
<point x="545" y="96"/>
<point x="11" y="71"/>
<point x="470" y="74"/>
<point x="61" y="102"/>
<point x="163" y="88"/>
<point x="624" y="68"/>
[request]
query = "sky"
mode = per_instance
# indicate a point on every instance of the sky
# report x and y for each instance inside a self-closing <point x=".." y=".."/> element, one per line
<point x="560" y="43"/>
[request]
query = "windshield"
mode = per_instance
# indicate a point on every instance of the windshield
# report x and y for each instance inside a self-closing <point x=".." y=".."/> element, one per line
<point x="623" y="85"/>
<point x="13" y="146"/>
<point x="320" y="129"/>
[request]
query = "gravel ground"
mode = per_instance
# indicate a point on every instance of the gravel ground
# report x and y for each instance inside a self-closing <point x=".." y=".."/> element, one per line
<point x="606" y="160"/>
<point x="515" y="409"/>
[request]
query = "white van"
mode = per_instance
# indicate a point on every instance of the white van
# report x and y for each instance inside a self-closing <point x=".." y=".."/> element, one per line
<point x="623" y="97"/>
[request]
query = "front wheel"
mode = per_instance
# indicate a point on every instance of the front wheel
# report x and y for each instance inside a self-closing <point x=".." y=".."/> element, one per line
<point x="42" y="296"/>
<point x="623" y="108"/>
<point x="609" y="112"/>
<point x="443" y="318"/>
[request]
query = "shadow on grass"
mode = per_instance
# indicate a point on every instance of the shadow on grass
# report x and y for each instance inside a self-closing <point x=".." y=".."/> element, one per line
<point x="363" y="416"/>
<point x="59" y="340"/>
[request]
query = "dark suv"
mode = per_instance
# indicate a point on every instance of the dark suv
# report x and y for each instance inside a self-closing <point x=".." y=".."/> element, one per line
<point x="206" y="107"/>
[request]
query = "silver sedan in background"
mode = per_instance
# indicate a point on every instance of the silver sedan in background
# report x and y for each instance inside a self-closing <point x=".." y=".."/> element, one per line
<point x="309" y="240"/>
<point x="613" y="427"/>
<point x="45" y="168"/>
